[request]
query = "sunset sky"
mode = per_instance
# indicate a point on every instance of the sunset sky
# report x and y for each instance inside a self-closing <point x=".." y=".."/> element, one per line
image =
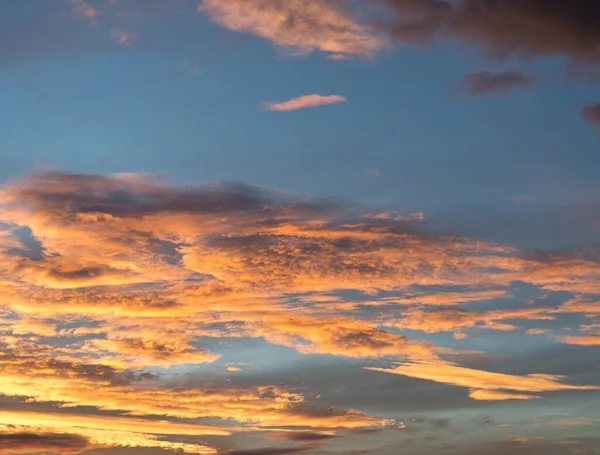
<point x="313" y="227"/>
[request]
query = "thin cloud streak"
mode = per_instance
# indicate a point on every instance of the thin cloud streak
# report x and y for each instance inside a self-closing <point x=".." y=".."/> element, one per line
<point x="485" y="82"/>
<point x="484" y="385"/>
<point x="303" y="102"/>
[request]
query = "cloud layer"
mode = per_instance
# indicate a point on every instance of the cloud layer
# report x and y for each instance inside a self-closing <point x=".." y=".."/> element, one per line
<point x="113" y="284"/>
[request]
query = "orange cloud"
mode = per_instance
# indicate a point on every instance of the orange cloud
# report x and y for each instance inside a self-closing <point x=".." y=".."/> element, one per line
<point x="303" y="102"/>
<point x="304" y="26"/>
<point x="583" y="340"/>
<point x="121" y="275"/>
<point x="102" y="387"/>
<point x="587" y="306"/>
<point x="456" y="319"/>
<point x="495" y="395"/>
<point x="484" y="384"/>
<point x="71" y="433"/>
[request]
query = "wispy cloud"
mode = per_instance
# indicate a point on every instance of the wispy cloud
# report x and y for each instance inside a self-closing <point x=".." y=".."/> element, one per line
<point x="485" y="82"/>
<point x="191" y="68"/>
<point x="123" y="37"/>
<point x="82" y="9"/>
<point x="302" y="102"/>
<point x="484" y="385"/>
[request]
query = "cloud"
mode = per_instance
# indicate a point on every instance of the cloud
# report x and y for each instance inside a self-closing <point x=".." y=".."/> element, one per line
<point x="589" y="306"/>
<point x="123" y="37"/>
<point x="503" y="27"/>
<point x="591" y="114"/>
<point x="268" y="451"/>
<point x="302" y="102"/>
<point x="123" y="275"/>
<point x="75" y="432"/>
<point x="26" y="443"/>
<point x="305" y="437"/>
<point x="140" y="353"/>
<point x="495" y="395"/>
<point x="483" y="384"/>
<point x="73" y="384"/>
<point x="339" y="57"/>
<point x="582" y="340"/>
<point x="485" y="82"/>
<point x="303" y="26"/>
<point x="82" y="9"/>
<point x="457" y="319"/>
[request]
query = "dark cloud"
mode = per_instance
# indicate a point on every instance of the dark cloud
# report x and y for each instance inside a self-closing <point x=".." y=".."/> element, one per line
<point x="485" y="82"/>
<point x="123" y="195"/>
<point x="306" y="436"/>
<point x="22" y="443"/>
<point x="591" y="114"/>
<point x="268" y="451"/>
<point x="534" y="446"/>
<point x="504" y="27"/>
<point x="440" y="424"/>
<point x="126" y="196"/>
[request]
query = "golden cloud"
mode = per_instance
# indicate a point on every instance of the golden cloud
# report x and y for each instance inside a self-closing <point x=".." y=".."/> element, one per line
<point x="109" y="282"/>
<point x="486" y="385"/>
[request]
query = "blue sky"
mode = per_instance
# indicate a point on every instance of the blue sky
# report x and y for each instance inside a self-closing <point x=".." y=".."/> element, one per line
<point x="478" y="147"/>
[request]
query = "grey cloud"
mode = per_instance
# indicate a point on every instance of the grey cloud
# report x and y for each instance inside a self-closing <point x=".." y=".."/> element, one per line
<point x="591" y="114"/>
<point x="307" y="436"/>
<point x="269" y="451"/>
<point x="485" y="82"/>
<point x="503" y="27"/>
<point x="62" y="443"/>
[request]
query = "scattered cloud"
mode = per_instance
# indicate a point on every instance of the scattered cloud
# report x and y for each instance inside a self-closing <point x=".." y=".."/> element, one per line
<point x="302" y="102"/>
<point x="190" y="68"/>
<point x="81" y="8"/>
<point x="485" y="82"/>
<point x="123" y="37"/>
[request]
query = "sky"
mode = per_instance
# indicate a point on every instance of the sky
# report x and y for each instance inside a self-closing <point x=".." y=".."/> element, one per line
<point x="315" y="227"/>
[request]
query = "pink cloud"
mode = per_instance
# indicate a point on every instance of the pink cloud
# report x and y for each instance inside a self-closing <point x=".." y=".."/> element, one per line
<point x="302" y="102"/>
<point x="82" y="9"/>
<point x="123" y="37"/>
<point x="304" y="26"/>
